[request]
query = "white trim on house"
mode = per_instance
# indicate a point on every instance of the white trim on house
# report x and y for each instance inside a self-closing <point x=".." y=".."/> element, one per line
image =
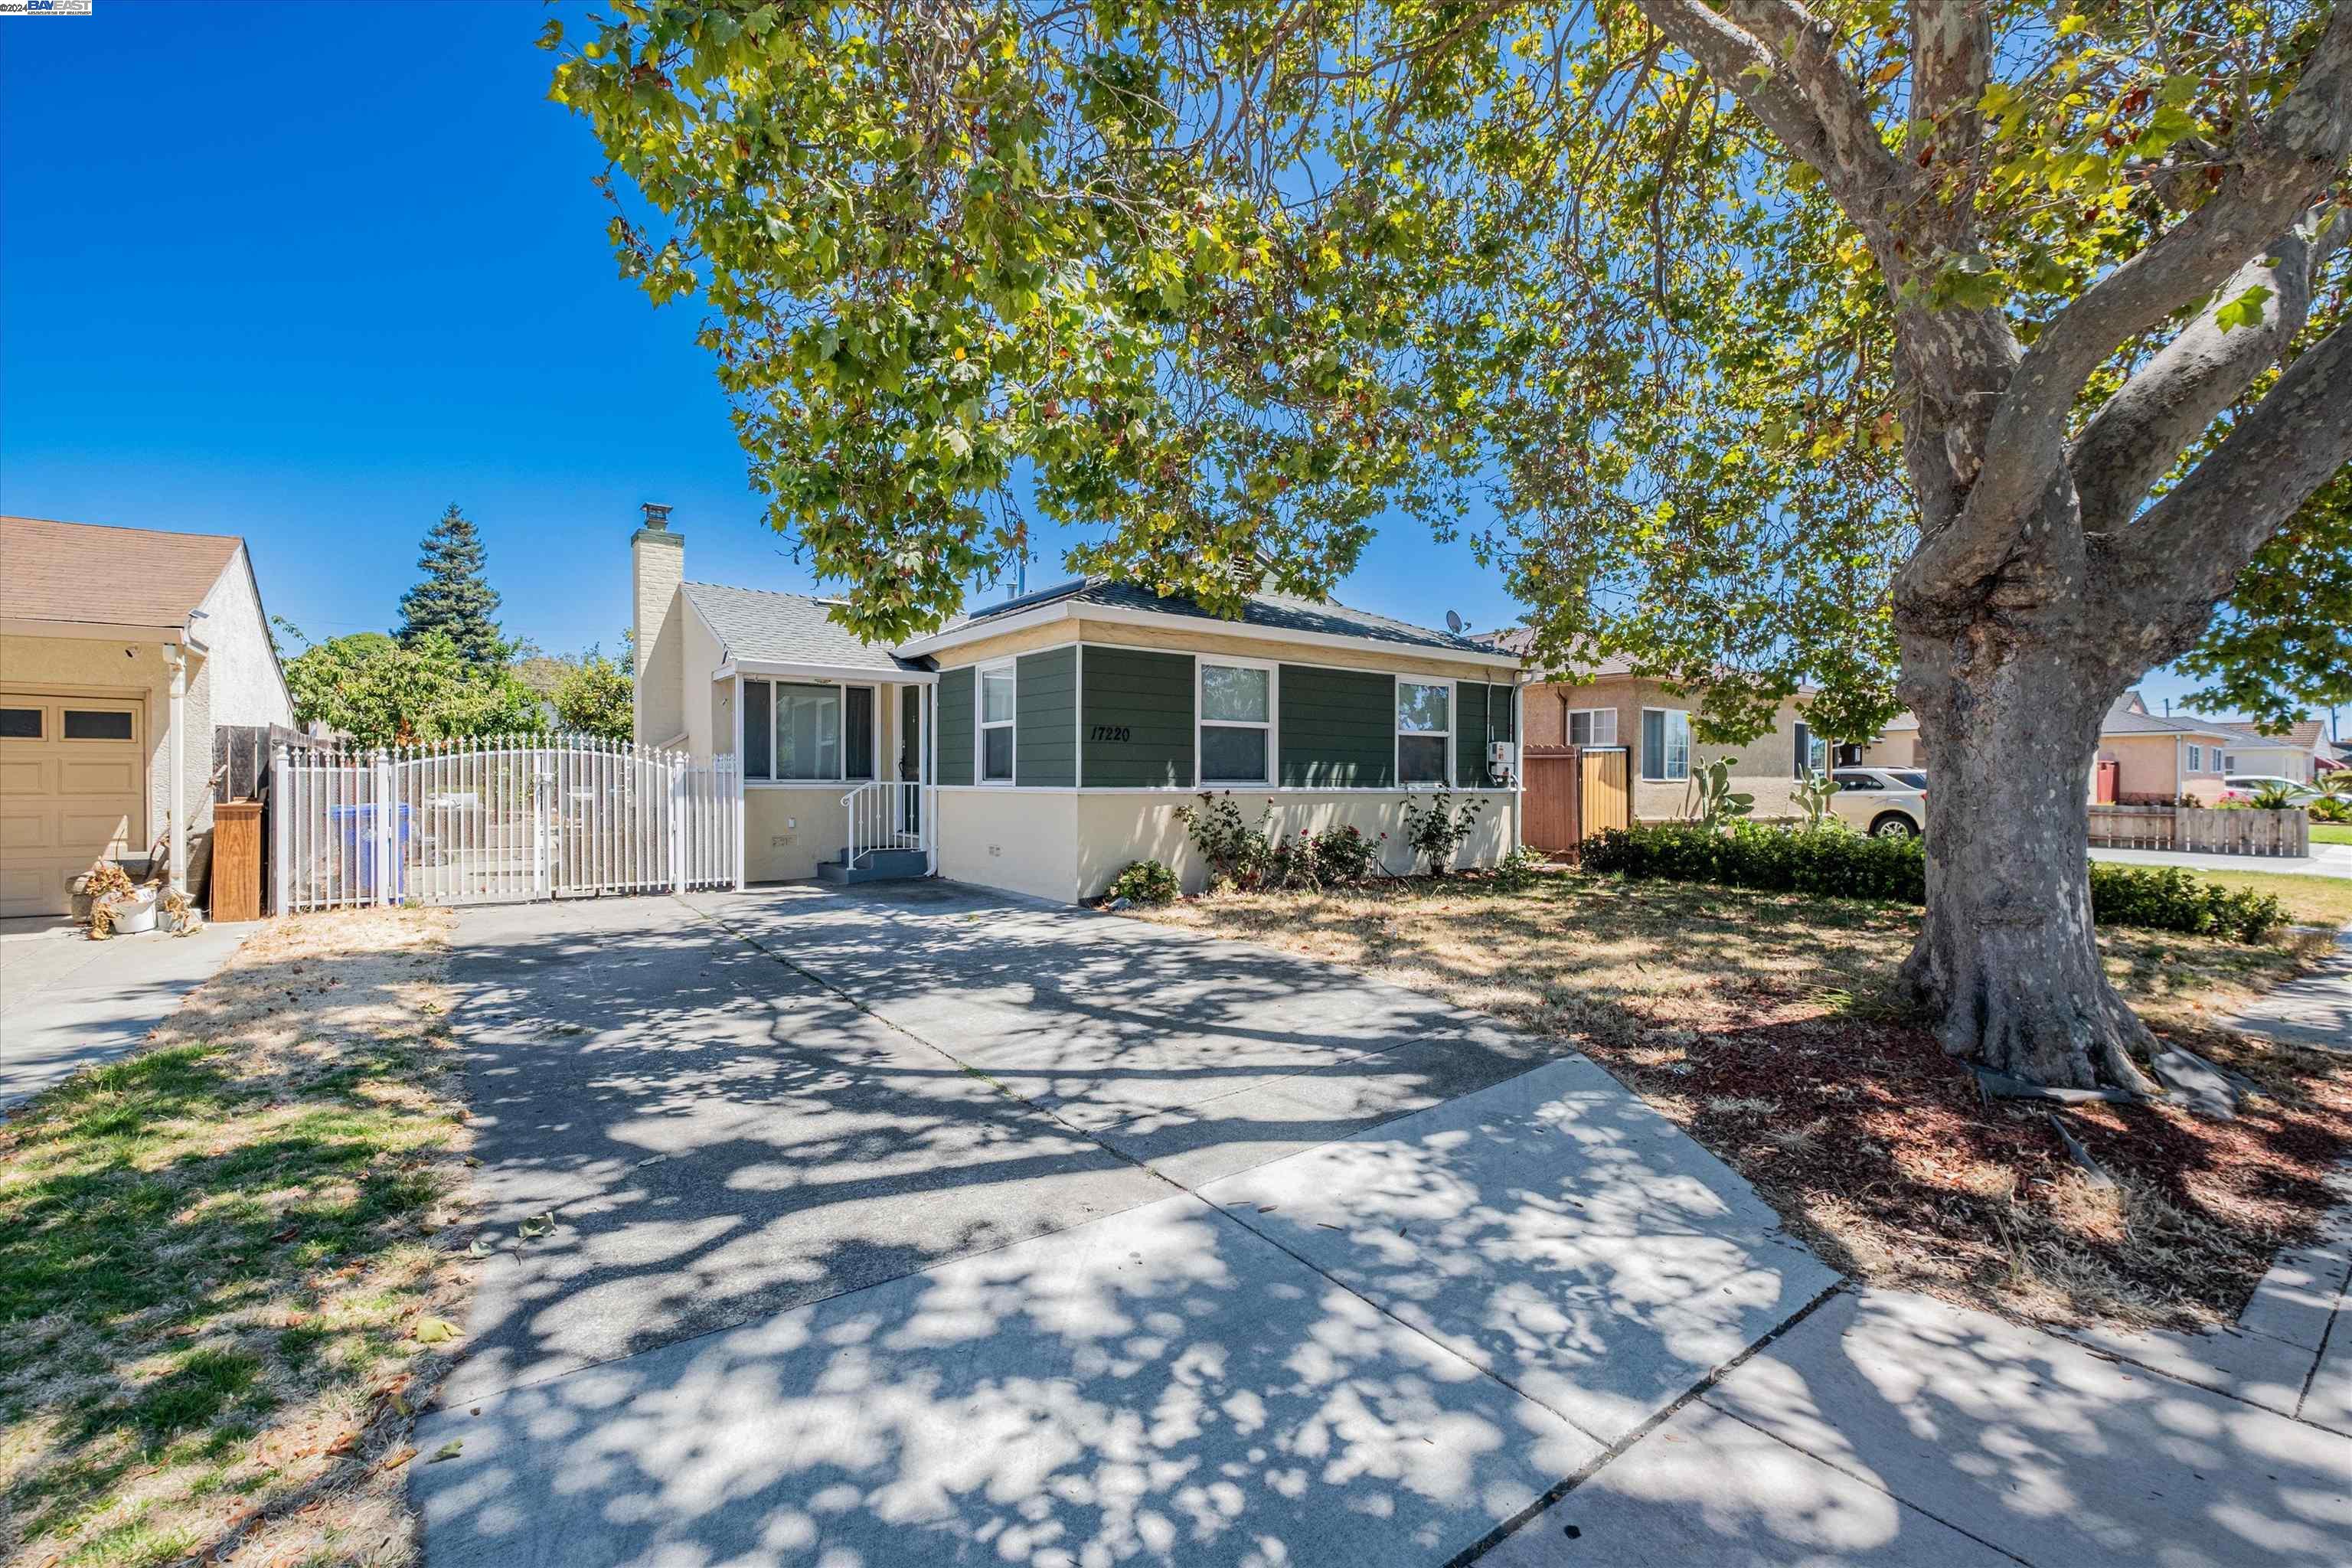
<point x="1270" y="728"/>
<point x="1568" y="734"/>
<point x="839" y="674"/>
<point x="1641" y="760"/>
<point x="1075" y="610"/>
<point x="1397" y="732"/>
<point x="981" y="723"/>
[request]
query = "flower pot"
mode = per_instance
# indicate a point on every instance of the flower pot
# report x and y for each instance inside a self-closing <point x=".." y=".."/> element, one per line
<point x="129" y="916"/>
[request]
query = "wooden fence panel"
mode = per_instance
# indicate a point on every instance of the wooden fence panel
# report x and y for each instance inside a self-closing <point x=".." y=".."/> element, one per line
<point x="1606" y="789"/>
<point x="2191" y="829"/>
<point x="1549" y="817"/>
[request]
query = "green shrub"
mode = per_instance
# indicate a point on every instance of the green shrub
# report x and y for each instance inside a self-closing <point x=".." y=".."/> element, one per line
<point x="1827" y="863"/>
<point x="1338" y="857"/>
<point x="1435" y="832"/>
<point x="1239" y="854"/>
<point x="1145" y="882"/>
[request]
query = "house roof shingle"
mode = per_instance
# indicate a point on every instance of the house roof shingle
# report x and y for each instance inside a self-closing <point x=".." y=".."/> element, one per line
<point x="1273" y="612"/>
<point x="2302" y="736"/>
<point x="785" y="628"/>
<point x="107" y="576"/>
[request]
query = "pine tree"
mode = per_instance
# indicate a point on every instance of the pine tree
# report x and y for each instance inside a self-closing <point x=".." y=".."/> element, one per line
<point x="454" y="598"/>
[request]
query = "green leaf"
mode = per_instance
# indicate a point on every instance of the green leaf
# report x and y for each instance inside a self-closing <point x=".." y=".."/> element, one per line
<point x="2245" y="311"/>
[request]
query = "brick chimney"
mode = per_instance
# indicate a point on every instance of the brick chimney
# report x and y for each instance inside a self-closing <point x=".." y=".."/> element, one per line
<point x="657" y="567"/>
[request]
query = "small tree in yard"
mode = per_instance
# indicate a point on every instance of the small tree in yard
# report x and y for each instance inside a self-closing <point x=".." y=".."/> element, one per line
<point x="1787" y="344"/>
<point x="595" y="697"/>
<point x="454" y="599"/>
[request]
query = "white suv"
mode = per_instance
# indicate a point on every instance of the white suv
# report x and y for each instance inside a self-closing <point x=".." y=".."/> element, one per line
<point x="1886" y="803"/>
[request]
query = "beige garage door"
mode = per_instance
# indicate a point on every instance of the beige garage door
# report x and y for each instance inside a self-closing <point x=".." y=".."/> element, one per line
<point x="71" y="789"/>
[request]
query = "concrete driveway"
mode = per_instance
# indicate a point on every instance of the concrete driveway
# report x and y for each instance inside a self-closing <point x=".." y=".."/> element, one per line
<point x="914" y="1226"/>
<point x="68" y="1003"/>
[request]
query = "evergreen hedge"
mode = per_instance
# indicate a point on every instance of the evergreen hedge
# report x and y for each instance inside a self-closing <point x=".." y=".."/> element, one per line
<point x="1837" y="863"/>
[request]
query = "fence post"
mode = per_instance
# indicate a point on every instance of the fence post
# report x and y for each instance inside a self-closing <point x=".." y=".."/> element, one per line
<point x="676" y="822"/>
<point x="280" y="813"/>
<point x="380" y="796"/>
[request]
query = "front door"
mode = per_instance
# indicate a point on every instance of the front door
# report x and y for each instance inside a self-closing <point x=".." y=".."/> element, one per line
<point x="910" y="757"/>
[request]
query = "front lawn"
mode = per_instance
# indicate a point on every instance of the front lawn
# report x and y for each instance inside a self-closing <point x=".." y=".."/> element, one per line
<point x="1768" y="1026"/>
<point x="2309" y="900"/>
<point x="226" y="1272"/>
<point x="2331" y="833"/>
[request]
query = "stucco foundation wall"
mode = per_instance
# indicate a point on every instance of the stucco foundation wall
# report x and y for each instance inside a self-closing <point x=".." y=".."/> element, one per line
<point x="1117" y="829"/>
<point x="1024" y="841"/>
<point x="787" y="829"/>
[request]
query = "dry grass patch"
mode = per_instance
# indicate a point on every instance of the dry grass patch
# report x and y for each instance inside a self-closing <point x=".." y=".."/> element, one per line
<point x="1767" y="1024"/>
<point x="226" y="1263"/>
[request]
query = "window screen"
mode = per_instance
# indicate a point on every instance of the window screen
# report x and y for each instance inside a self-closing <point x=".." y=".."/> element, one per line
<point x="858" y="745"/>
<point x="808" y="732"/>
<point x="1666" y="744"/>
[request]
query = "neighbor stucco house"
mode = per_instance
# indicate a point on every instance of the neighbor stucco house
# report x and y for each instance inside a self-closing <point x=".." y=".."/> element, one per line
<point x="2165" y="757"/>
<point x="2299" y="753"/>
<point x="1607" y="705"/>
<point x="1041" y="744"/>
<point x="121" y="651"/>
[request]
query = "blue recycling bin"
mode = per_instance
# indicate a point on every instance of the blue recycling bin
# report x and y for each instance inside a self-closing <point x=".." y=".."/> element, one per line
<point x="355" y="826"/>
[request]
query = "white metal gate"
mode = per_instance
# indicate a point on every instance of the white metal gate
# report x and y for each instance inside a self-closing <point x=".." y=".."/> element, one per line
<point x="500" y="819"/>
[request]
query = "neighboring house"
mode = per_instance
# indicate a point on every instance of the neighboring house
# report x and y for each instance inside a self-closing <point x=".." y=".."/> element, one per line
<point x="2298" y="754"/>
<point x="2163" y="757"/>
<point x="1054" y="735"/>
<point x="1611" y="706"/>
<point x="120" y="648"/>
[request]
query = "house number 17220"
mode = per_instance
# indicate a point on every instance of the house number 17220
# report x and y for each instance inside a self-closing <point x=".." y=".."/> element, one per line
<point x="1109" y="732"/>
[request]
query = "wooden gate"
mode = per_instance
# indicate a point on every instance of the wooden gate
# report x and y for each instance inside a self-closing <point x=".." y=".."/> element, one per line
<point x="1605" y="788"/>
<point x="1572" y="792"/>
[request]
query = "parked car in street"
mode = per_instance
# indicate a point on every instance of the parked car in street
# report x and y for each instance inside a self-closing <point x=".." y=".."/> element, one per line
<point x="1886" y="803"/>
<point x="2245" y="786"/>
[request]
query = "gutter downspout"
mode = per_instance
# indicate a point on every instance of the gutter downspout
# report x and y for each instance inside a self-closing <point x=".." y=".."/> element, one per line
<point x="176" y="659"/>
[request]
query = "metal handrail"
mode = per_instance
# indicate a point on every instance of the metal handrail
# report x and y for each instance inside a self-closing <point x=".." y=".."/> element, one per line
<point x="876" y="814"/>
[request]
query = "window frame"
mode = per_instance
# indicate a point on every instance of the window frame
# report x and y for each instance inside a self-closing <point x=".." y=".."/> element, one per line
<point x="2196" y="758"/>
<point x="1397" y="732"/>
<point x="1807" y="744"/>
<point x="1201" y="721"/>
<point x="776" y="731"/>
<point x="873" y="736"/>
<point x="1665" y="742"/>
<point x="40" y="720"/>
<point x="981" y="724"/>
<point x="1567" y="732"/>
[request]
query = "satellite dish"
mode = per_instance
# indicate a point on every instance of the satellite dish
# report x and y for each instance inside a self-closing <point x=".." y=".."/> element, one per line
<point x="1455" y="623"/>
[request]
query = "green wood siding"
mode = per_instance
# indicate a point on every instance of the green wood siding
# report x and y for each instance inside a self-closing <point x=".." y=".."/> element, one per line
<point x="1147" y="699"/>
<point x="1339" y="727"/>
<point x="1485" y="715"/>
<point x="1045" y="717"/>
<point x="955" y="726"/>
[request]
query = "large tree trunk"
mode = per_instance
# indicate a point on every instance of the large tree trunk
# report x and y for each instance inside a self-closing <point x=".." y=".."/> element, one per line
<point x="2010" y="716"/>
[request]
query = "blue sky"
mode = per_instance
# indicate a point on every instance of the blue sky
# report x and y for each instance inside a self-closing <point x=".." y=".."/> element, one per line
<point x="307" y="272"/>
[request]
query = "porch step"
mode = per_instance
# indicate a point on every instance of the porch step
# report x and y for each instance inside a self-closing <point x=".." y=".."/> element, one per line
<point x="874" y="866"/>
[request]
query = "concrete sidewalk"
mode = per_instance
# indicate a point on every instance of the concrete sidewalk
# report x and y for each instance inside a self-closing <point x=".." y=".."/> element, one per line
<point x="2315" y="1010"/>
<point x="2325" y="860"/>
<point x="66" y="1002"/>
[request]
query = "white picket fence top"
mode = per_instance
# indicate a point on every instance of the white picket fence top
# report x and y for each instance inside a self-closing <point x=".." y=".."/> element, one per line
<point x="500" y="819"/>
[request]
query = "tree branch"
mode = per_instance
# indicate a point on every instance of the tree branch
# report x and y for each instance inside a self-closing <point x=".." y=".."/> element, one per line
<point x="2143" y="429"/>
<point x="1781" y="61"/>
<point x="2184" y="554"/>
<point x="2284" y="167"/>
<point x="1952" y="60"/>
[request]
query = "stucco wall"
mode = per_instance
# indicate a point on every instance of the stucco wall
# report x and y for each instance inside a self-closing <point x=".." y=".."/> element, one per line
<point x="1766" y="766"/>
<point x="2143" y="763"/>
<point x="787" y="829"/>
<point x="699" y="655"/>
<point x="1023" y="840"/>
<point x="1117" y="829"/>
<point x="242" y="681"/>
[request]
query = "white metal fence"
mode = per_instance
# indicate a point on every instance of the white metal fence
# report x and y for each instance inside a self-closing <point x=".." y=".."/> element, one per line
<point x="500" y="819"/>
